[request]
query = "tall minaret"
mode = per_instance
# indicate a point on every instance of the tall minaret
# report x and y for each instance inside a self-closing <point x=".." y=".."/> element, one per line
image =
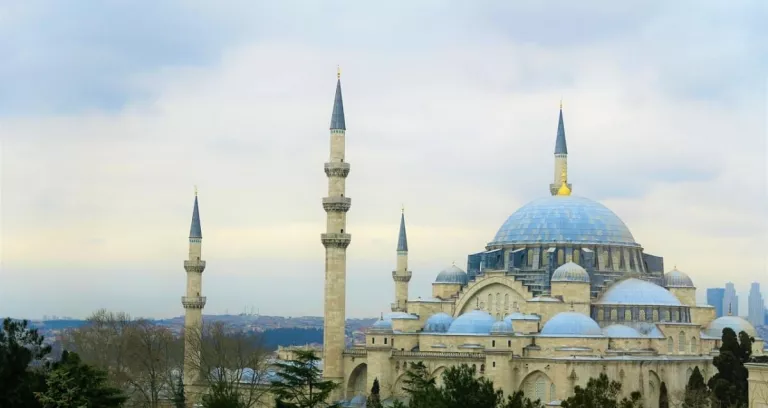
<point x="561" y="155"/>
<point x="335" y="240"/>
<point x="193" y="303"/>
<point x="401" y="275"/>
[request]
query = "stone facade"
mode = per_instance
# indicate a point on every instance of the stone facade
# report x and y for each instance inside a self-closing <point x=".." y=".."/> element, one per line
<point x="758" y="385"/>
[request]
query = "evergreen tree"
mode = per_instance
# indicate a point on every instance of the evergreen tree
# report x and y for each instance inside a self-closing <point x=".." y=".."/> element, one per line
<point x="518" y="400"/>
<point x="221" y="395"/>
<point x="663" y="396"/>
<point x="80" y="384"/>
<point x="299" y="383"/>
<point x="462" y="388"/>
<point x="696" y="393"/>
<point x="20" y="346"/>
<point x="374" y="400"/>
<point x="601" y="393"/>
<point x="729" y="385"/>
<point x="421" y="388"/>
<point x="179" y="399"/>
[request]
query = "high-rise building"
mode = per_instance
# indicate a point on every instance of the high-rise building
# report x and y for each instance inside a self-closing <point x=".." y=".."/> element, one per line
<point x="756" y="309"/>
<point x="730" y="300"/>
<point x="715" y="298"/>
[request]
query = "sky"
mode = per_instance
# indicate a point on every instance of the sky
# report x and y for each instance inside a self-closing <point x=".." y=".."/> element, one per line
<point x="111" y="113"/>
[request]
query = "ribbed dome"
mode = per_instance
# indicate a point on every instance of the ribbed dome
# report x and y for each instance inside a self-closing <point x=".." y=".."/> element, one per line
<point x="453" y="275"/>
<point x="735" y="323"/>
<point x="570" y="272"/>
<point x="381" y="326"/>
<point x="566" y="219"/>
<point x="520" y="316"/>
<point x="677" y="279"/>
<point x="571" y="324"/>
<point x="634" y="291"/>
<point x="621" y="331"/>
<point x="474" y="322"/>
<point x="502" y="327"/>
<point x="438" y="323"/>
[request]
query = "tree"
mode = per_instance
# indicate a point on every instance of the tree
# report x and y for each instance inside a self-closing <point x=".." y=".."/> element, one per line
<point x="179" y="399"/>
<point x="420" y="387"/>
<point x="696" y="392"/>
<point x="462" y="388"/>
<point x="663" y="396"/>
<point x="601" y="393"/>
<point x="518" y="400"/>
<point x="374" y="400"/>
<point x="20" y="347"/>
<point x="299" y="383"/>
<point x="729" y="385"/>
<point x="71" y="383"/>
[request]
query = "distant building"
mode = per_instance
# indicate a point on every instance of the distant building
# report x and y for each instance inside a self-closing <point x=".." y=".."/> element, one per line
<point x="756" y="309"/>
<point x="730" y="300"/>
<point x="715" y="298"/>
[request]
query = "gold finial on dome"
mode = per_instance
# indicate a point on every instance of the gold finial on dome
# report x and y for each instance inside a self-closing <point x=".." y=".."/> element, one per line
<point x="564" y="189"/>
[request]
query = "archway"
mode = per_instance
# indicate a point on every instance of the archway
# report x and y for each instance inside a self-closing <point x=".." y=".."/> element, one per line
<point x="538" y="386"/>
<point x="438" y="376"/>
<point x="398" y="389"/>
<point x="654" y="386"/>
<point x="357" y="381"/>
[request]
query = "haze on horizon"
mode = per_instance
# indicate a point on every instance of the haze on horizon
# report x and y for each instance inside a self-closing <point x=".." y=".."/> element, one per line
<point x="112" y="112"/>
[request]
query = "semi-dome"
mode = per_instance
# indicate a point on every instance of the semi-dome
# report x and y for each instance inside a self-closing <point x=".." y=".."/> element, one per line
<point x="677" y="279"/>
<point x="438" y="323"/>
<point x="621" y="331"/>
<point x="566" y="219"/>
<point x="453" y="275"/>
<point x="520" y="316"/>
<point x="570" y="272"/>
<point x="635" y="291"/>
<point x="735" y="323"/>
<point x="381" y="326"/>
<point x="502" y="327"/>
<point x="474" y="322"/>
<point x="569" y="324"/>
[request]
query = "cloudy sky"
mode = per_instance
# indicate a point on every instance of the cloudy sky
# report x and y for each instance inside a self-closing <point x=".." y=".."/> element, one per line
<point x="111" y="113"/>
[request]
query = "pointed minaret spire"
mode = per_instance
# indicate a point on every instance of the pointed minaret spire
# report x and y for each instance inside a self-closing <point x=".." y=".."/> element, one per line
<point x="560" y="146"/>
<point x="195" y="231"/>
<point x="402" y="238"/>
<point x="561" y="155"/>
<point x="401" y="275"/>
<point x="337" y="117"/>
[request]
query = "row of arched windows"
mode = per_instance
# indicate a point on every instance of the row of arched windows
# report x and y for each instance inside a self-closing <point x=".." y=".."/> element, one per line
<point x="682" y="345"/>
<point x="641" y="314"/>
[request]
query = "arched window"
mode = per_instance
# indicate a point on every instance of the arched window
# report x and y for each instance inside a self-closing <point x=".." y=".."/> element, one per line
<point x="493" y="343"/>
<point x="694" y="348"/>
<point x="670" y="345"/>
<point x="576" y="256"/>
<point x="373" y="340"/>
<point x="560" y="257"/>
<point x="628" y="315"/>
<point x="681" y="342"/>
<point x="490" y="301"/>
<point x="529" y="258"/>
<point x="482" y="368"/>
<point x="498" y="301"/>
<point x="642" y="314"/>
<point x="552" y="396"/>
<point x="540" y="390"/>
<point x="385" y="340"/>
<point x="506" y="302"/>
<point x="494" y="364"/>
<point x="509" y="343"/>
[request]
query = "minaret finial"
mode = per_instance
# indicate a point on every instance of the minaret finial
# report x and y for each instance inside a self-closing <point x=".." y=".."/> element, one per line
<point x="195" y="190"/>
<point x="561" y="103"/>
<point x="564" y="190"/>
<point x="338" y="72"/>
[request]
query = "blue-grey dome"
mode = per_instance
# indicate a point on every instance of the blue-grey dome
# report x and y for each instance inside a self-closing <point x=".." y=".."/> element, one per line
<point x="520" y="316"/>
<point x="438" y="323"/>
<point x="570" y="324"/>
<point x="381" y="326"/>
<point x="566" y="219"/>
<point x="621" y="331"/>
<point x="502" y="327"/>
<point x="634" y="291"/>
<point x="453" y="275"/>
<point x="474" y="322"/>
<point x="735" y="323"/>
<point x="677" y="279"/>
<point x="570" y="272"/>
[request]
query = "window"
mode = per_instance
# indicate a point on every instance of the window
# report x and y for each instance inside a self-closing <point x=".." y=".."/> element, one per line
<point x="670" y="345"/>
<point x="494" y="364"/>
<point x="490" y="301"/>
<point x="552" y="392"/>
<point x="509" y="343"/>
<point x="493" y="343"/>
<point x="694" y="349"/>
<point x="373" y="340"/>
<point x="681" y="342"/>
<point x="385" y="340"/>
<point x="560" y="257"/>
<point x="576" y="256"/>
<point x="506" y="301"/>
<point x="540" y="387"/>
<point x="482" y="368"/>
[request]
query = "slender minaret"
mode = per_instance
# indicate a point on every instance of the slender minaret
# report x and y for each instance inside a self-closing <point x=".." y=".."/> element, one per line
<point x="561" y="155"/>
<point x="335" y="240"/>
<point x="401" y="275"/>
<point x="193" y="303"/>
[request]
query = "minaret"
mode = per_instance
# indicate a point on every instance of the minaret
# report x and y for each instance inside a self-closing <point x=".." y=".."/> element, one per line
<point x="193" y="303"/>
<point x="335" y="240"/>
<point x="401" y="275"/>
<point x="561" y="155"/>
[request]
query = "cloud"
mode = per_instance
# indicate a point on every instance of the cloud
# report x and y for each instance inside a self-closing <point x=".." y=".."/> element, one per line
<point x="451" y="111"/>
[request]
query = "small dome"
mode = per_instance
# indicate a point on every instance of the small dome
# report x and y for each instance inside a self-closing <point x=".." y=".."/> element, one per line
<point x="635" y="291"/>
<point x="502" y="327"/>
<point x="570" y="272"/>
<point x="381" y="326"/>
<point x="453" y="275"/>
<point x="474" y="322"/>
<point x="438" y="323"/>
<point x="358" y="401"/>
<point x="677" y="279"/>
<point x="735" y="323"/>
<point x="621" y="331"/>
<point x="571" y="324"/>
<point x="520" y="316"/>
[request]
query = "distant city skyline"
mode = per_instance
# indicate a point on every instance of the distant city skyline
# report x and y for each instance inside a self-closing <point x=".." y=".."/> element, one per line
<point x="113" y="112"/>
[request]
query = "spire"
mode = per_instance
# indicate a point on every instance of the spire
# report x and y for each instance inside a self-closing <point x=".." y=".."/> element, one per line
<point x="560" y="146"/>
<point x="337" y="117"/>
<point x="402" y="239"/>
<point x="194" y="230"/>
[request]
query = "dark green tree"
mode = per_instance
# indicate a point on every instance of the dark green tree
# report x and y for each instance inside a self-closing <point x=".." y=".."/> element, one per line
<point x="421" y="388"/>
<point x="299" y="383"/>
<point x="374" y="399"/>
<point x="462" y="388"/>
<point x="179" y="399"/>
<point x="20" y="347"/>
<point x="81" y="384"/>
<point x="696" y="392"/>
<point x="518" y="400"/>
<point x="729" y="385"/>
<point x="222" y="395"/>
<point x="663" y="396"/>
<point x="601" y="393"/>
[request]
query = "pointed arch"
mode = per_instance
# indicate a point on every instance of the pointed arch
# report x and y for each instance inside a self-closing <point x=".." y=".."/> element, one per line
<point x="357" y="381"/>
<point x="536" y="385"/>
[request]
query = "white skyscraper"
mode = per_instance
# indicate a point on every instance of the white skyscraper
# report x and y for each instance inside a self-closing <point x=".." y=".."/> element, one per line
<point x="756" y="305"/>
<point x="730" y="301"/>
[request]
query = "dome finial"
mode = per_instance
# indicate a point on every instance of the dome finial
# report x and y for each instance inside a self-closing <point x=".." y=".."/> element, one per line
<point x="564" y="190"/>
<point x="382" y="316"/>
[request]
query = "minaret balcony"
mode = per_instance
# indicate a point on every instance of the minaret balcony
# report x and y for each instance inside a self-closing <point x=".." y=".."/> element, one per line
<point x="336" y="240"/>
<point x="193" y="302"/>
<point x="337" y="204"/>
<point x="194" y="266"/>
<point x="336" y="169"/>
<point x="405" y="277"/>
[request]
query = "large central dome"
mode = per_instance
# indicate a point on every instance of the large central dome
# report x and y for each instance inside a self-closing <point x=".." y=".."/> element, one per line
<point x="564" y="219"/>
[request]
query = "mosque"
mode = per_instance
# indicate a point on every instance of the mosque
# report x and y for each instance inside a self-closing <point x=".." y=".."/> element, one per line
<point x="562" y="293"/>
